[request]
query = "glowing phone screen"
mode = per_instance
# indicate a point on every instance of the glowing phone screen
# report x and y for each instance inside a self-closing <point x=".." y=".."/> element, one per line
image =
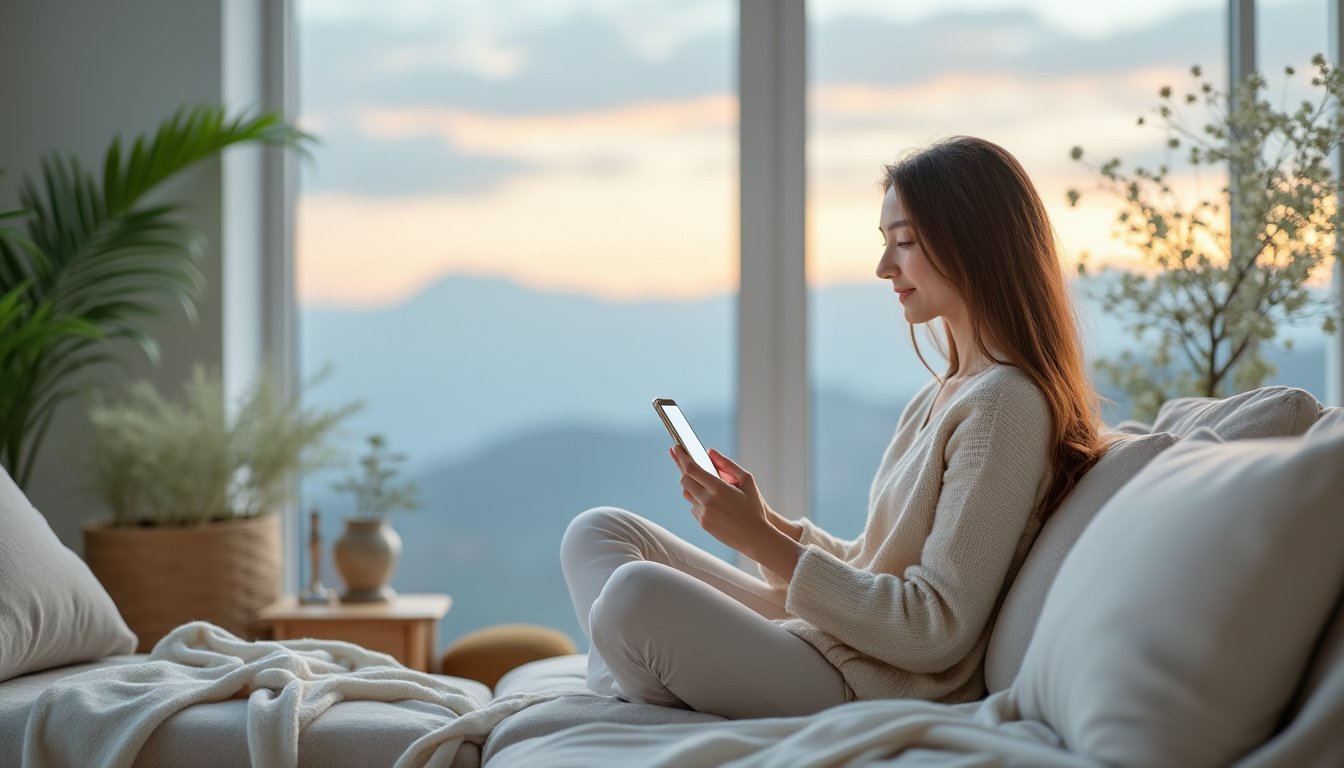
<point x="681" y="429"/>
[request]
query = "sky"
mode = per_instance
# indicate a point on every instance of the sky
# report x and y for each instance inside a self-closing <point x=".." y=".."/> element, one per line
<point x="591" y="146"/>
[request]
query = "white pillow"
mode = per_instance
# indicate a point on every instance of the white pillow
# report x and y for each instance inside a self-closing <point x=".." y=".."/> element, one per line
<point x="1183" y="618"/>
<point x="1330" y="419"/>
<point x="1021" y="607"/>
<point x="53" y="611"/>
<point x="1265" y="412"/>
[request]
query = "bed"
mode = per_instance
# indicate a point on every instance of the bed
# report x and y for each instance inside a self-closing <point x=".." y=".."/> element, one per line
<point x="1185" y="606"/>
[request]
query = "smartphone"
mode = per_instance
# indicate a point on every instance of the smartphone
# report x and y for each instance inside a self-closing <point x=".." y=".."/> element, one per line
<point x="681" y="431"/>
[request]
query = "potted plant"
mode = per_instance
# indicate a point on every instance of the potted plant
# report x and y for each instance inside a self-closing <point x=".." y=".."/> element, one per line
<point x="366" y="553"/>
<point x="86" y="262"/>
<point x="194" y="486"/>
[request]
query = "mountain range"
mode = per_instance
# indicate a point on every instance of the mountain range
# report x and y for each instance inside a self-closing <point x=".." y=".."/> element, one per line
<point x="520" y="408"/>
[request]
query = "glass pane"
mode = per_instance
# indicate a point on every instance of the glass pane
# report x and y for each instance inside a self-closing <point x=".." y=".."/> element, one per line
<point x="1035" y="77"/>
<point x="1288" y="33"/>
<point x="518" y="230"/>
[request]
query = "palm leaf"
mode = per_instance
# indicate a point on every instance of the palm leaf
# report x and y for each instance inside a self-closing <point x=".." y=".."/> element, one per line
<point x="95" y="263"/>
<point x="28" y="334"/>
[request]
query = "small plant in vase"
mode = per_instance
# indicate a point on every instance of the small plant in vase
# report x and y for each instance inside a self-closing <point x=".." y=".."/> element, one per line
<point x="367" y="551"/>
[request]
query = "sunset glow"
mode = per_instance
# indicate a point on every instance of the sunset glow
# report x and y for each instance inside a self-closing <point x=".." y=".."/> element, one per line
<point x="640" y="200"/>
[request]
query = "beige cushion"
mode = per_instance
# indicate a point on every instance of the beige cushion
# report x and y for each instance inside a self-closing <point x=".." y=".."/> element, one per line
<point x="486" y="654"/>
<point x="1022" y="605"/>
<point x="1184" y="616"/>
<point x="1264" y="412"/>
<point x="52" y="610"/>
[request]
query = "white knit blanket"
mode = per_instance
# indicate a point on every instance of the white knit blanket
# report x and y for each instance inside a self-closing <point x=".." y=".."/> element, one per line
<point x="104" y="716"/>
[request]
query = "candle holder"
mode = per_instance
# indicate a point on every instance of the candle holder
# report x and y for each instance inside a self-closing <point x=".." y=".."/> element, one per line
<point x="316" y="593"/>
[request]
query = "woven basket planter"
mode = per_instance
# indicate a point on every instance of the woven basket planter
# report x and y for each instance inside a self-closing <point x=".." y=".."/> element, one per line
<point x="224" y="573"/>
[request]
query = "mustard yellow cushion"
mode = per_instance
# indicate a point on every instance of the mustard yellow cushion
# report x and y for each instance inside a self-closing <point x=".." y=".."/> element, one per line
<point x="488" y="653"/>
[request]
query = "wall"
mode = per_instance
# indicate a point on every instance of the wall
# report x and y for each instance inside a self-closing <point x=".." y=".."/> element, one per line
<point x="73" y="74"/>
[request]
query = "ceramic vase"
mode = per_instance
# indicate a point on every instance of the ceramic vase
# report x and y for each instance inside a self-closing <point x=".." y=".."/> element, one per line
<point x="366" y="555"/>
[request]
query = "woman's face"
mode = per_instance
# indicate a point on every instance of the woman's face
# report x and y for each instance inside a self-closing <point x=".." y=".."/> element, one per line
<point x="924" y="293"/>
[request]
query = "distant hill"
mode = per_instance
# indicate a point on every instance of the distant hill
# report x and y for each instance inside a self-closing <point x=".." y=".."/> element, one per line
<point x="489" y="532"/>
<point x="524" y="408"/>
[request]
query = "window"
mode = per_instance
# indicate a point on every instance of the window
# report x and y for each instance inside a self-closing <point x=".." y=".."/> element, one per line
<point x="518" y="229"/>
<point x="522" y="225"/>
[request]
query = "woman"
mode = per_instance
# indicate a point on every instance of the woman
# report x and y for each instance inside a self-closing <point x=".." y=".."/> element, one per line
<point x="980" y="457"/>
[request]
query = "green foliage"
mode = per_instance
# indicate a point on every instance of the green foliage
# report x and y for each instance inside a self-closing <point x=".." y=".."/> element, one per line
<point x="186" y="461"/>
<point x="95" y="263"/>
<point x="26" y="332"/>
<point x="1210" y="293"/>
<point x="375" y="493"/>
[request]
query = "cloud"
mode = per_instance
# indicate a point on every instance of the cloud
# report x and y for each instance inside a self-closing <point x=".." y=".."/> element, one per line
<point x="577" y="64"/>
<point x="352" y="159"/>
<point x="594" y="165"/>
<point x="576" y="69"/>
<point x="857" y="49"/>
<point x="553" y="136"/>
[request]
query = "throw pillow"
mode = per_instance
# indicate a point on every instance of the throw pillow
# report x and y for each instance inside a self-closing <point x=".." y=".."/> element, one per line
<point x="1330" y="419"/>
<point x="1132" y="427"/>
<point x="1183" y="618"/>
<point x="1022" y="605"/>
<point x="1264" y="412"/>
<point x="53" y="611"/>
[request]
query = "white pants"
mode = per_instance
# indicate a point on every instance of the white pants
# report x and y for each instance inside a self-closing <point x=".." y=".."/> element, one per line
<point x="671" y="624"/>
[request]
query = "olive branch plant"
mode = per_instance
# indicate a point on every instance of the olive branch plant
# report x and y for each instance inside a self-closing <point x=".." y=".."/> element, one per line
<point x="1212" y="287"/>
<point x="191" y="458"/>
<point x="372" y="483"/>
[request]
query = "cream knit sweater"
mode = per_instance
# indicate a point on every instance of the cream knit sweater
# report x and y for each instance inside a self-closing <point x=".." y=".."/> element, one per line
<point x="905" y="610"/>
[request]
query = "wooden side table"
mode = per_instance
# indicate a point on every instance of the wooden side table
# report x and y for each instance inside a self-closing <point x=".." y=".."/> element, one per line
<point x="407" y="628"/>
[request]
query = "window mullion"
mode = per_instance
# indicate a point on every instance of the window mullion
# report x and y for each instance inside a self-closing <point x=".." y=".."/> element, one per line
<point x="1334" y="357"/>
<point x="772" y="386"/>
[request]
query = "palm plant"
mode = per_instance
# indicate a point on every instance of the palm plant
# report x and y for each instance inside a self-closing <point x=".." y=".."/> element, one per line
<point x="96" y="262"/>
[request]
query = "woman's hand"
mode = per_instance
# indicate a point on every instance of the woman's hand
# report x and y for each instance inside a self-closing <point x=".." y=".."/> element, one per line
<point x="731" y="509"/>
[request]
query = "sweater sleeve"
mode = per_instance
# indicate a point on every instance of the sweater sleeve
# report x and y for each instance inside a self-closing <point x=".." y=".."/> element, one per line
<point x="928" y="617"/>
<point x="815" y="536"/>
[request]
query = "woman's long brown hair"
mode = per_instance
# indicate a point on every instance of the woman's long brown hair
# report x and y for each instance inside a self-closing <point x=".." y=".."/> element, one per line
<point x="981" y="223"/>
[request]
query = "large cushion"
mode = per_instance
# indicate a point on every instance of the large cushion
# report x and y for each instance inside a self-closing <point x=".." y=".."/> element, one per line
<point x="566" y="677"/>
<point x="1022" y="605"/>
<point x="1264" y="412"/>
<point x="1312" y="735"/>
<point x="1184" y="616"/>
<point x="52" y="610"/>
<point x="555" y="675"/>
